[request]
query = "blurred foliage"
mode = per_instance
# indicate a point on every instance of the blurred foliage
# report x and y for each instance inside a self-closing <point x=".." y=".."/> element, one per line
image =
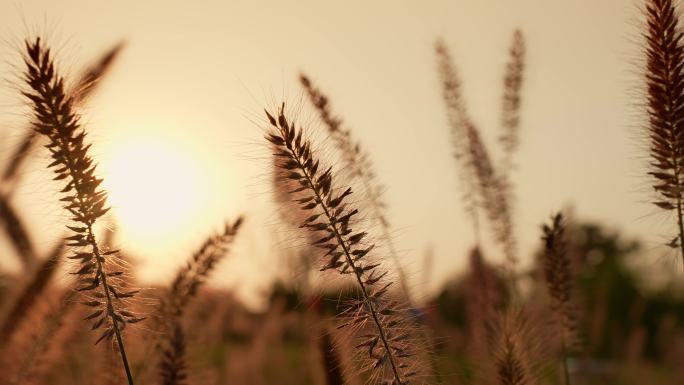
<point x="613" y="304"/>
<point x="623" y="325"/>
<point x="629" y="333"/>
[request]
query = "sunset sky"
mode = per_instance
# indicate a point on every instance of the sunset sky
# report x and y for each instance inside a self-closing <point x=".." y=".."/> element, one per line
<point x="175" y="125"/>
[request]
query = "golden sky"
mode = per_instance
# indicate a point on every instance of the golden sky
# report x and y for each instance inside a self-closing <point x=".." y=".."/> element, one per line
<point x="194" y="77"/>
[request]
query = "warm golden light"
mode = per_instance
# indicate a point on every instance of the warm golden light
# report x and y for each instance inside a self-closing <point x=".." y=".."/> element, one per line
<point x="154" y="187"/>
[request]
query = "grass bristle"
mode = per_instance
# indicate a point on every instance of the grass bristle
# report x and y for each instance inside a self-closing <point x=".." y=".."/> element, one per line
<point x="172" y="367"/>
<point x="55" y="118"/>
<point x="183" y="288"/>
<point x="85" y="86"/>
<point x="360" y="168"/>
<point x="665" y="107"/>
<point x="381" y="331"/>
<point x="197" y="269"/>
<point x="482" y="185"/>
<point x="458" y="121"/>
<point x="558" y="274"/>
<point x="510" y="111"/>
<point x="90" y="78"/>
<point x="510" y="361"/>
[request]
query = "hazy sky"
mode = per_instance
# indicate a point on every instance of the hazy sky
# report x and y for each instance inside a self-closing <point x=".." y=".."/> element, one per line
<point x="195" y="75"/>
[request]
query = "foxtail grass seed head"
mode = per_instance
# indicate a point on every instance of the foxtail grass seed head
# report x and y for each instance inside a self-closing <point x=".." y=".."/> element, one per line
<point x="86" y="84"/>
<point x="483" y="187"/>
<point x="184" y="287"/>
<point x="172" y="367"/>
<point x="665" y="107"/>
<point x="54" y="118"/>
<point x="360" y="167"/>
<point x="510" y="112"/>
<point x="557" y="265"/>
<point x="384" y="340"/>
<point x="197" y="269"/>
<point x="101" y="278"/>
<point x="511" y="356"/>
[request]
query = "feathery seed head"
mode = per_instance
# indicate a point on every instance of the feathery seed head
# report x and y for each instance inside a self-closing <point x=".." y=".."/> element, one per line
<point x="665" y="101"/>
<point x="376" y="318"/>
<point x="558" y="275"/>
<point x="54" y="117"/>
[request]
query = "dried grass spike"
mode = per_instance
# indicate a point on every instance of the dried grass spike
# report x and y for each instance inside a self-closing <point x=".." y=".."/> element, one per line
<point x="183" y="288"/>
<point x="665" y="106"/>
<point x="483" y="186"/>
<point x="196" y="271"/>
<point x="85" y="86"/>
<point x="55" y="118"/>
<point x="510" y="361"/>
<point x="387" y="345"/>
<point x="90" y="78"/>
<point x="558" y="276"/>
<point x="360" y="167"/>
<point x="172" y="367"/>
<point x="510" y="112"/>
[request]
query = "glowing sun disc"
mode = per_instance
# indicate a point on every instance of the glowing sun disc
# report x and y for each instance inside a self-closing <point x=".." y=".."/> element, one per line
<point x="154" y="189"/>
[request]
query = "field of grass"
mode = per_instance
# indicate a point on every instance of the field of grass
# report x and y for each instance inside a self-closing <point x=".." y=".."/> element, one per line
<point x="580" y="313"/>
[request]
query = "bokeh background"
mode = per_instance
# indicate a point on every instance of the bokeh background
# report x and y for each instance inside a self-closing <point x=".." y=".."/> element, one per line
<point x="176" y="124"/>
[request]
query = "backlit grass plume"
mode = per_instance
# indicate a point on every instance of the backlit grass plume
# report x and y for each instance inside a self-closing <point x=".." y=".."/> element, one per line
<point x="54" y="117"/>
<point x="509" y="366"/>
<point x="511" y="356"/>
<point x="510" y="111"/>
<point x="558" y="280"/>
<point x="359" y="165"/>
<point x="459" y="121"/>
<point x="665" y="107"/>
<point x="483" y="188"/>
<point x="197" y="269"/>
<point x="384" y="338"/>
<point x="172" y="369"/>
<point x="87" y="83"/>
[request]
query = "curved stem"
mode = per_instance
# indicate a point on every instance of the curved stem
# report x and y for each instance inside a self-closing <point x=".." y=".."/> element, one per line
<point x="110" y="305"/>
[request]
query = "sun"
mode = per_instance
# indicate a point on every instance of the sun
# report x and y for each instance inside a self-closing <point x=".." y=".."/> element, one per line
<point x="155" y="187"/>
